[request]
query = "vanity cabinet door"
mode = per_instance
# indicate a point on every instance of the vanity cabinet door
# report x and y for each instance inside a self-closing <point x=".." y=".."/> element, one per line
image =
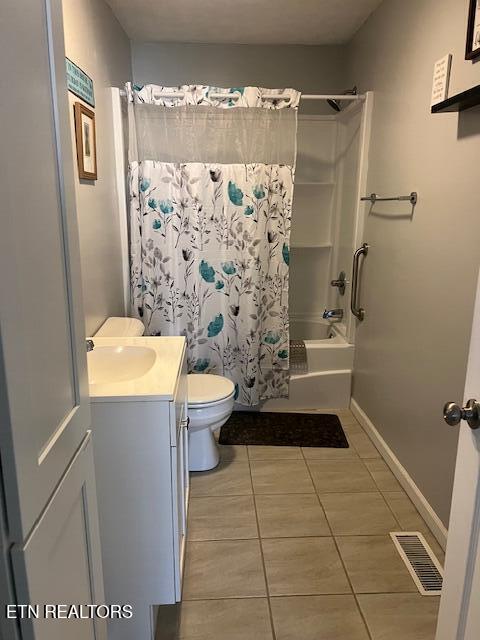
<point x="179" y="406"/>
<point x="186" y="474"/>
<point x="180" y="483"/>
<point x="179" y="515"/>
<point x="44" y="408"/>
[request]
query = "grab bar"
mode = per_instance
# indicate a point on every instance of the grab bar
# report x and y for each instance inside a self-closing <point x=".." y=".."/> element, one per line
<point x="357" y="311"/>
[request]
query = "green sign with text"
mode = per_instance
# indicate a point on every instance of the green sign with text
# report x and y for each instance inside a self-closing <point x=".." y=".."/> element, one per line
<point x="79" y="83"/>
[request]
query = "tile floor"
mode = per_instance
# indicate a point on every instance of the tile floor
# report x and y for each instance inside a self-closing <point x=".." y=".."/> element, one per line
<point x="290" y="543"/>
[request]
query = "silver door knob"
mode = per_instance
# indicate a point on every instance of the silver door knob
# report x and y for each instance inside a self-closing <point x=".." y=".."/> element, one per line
<point x="453" y="414"/>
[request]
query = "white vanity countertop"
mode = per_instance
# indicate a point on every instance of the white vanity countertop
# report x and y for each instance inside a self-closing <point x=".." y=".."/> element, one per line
<point x="159" y="382"/>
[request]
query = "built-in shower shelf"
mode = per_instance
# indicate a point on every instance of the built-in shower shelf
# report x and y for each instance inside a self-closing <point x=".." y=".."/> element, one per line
<point x="305" y="183"/>
<point x="301" y="245"/>
<point x="460" y="102"/>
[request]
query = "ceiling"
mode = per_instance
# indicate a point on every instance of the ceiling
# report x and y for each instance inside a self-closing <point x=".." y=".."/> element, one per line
<point x="312" y="22"/>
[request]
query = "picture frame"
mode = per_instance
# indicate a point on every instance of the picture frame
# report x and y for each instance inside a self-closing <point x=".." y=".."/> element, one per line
<point x="472" y="49"/>
<point x="85" y="137"/>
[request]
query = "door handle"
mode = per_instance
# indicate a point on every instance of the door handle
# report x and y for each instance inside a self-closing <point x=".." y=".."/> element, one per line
<point x="357" y="311"/>
<point x="454" y="413"/>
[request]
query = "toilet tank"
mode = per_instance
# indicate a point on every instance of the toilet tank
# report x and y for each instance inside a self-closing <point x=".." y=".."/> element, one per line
<point x="116" y="327"/>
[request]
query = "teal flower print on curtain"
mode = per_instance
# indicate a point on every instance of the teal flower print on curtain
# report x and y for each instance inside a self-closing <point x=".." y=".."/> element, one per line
<point x="230" y="297"/>
<point x="210" y="260"/>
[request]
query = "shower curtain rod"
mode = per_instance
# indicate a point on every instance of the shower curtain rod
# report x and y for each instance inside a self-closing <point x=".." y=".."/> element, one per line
<point x="266" y="96"/>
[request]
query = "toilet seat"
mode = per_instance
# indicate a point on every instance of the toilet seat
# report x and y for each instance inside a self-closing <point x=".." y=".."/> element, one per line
<point x="214" y="403"/>
<point x="208" y="390"/>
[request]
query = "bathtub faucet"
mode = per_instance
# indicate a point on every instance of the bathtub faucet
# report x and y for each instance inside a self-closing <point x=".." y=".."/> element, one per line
<point x="333" y="314"/>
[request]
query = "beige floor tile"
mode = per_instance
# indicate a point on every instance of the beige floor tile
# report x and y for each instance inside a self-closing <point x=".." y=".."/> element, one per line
<point x="317" y="618"/>
<point x="229" y="478"/>
<point x="358" y="513"/>
<point x="281" y="476"/>
<point x="404" y="510"/>
<point x="374" y="565"/>
<point x="223" y="569"/>
<point x="434" y="545"/>
<point x="236" y="452"/>
<point x="345" y="415"/>
<point x="167" y="622"/>
<point x="237" y="619"/>
<point x="384" y="478"/>
<point x="400" y="616"/>
<point x="410" y="520"/>
<point x="282" y="516"/>
<point x="222" y="518"/>
<point x="362" y="444"/>
<point x="303" y="566"/>
<point x="274" y="453"/>
<point x="348" y="420"/>
<point x="329" y="453"/>
<point x="340" y="476"/>
<point x="353" y="428"/>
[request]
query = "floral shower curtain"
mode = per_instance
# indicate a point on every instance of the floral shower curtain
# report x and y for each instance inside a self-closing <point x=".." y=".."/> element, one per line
<point x="211" y="187"/>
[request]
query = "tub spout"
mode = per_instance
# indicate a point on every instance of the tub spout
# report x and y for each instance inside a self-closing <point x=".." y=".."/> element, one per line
<point x="333" y="314"/>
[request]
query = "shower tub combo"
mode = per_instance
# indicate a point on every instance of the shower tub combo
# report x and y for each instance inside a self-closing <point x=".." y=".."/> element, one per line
<point x="327" y="381"/>
<point x="327" y="226"/>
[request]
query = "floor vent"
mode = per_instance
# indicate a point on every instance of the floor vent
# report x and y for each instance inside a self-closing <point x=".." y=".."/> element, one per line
<point x="298" y="356"/>
<point x="420" y="560"/>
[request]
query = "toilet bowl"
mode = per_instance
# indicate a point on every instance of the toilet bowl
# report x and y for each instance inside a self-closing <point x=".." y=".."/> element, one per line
<point x="210" y="404"/>
<point x="210" y="400"/>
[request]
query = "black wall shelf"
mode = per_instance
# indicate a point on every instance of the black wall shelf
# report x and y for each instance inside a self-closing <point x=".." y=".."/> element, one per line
<point x="460" y="102"/>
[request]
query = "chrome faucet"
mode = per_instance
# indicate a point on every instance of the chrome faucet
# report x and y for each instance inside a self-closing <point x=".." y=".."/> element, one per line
<point x="90" y="345"/>
<point x="333" y="314"/>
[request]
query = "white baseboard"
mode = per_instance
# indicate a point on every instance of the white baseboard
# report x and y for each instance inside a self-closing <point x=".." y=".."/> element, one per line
<point x="416" y="496"/>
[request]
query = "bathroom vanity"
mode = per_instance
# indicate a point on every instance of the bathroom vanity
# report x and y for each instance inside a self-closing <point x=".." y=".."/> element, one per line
<point x="138" y="389"/>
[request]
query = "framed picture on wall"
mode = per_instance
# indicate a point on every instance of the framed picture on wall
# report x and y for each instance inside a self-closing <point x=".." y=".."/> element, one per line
<point x="472" y="49"/>
<point x="86" y="142"/>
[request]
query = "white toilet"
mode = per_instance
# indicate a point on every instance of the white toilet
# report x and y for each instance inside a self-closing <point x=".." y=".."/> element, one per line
<point x="210" y="400"/>
<point x="210" y="404"/>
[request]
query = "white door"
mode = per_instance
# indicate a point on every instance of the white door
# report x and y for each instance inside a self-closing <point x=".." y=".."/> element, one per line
<point x="60" y="562"/>
<point x="459" y="616"/>
<point x="44" y="410"/>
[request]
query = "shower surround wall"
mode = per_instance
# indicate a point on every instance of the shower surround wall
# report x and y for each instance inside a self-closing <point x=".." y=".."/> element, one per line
<point x="312" y="220"/>
<point x="96" y="42"/>
<point x="419" y="278"/>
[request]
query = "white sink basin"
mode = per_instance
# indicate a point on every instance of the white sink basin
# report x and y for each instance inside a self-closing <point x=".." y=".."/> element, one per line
<point x="143" y="368"/>
<point x="120" y="363"/>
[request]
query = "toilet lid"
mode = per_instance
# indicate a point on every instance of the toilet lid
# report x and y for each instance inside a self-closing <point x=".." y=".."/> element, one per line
<point x="206" y="387"/>
<point x="116" y="327"/>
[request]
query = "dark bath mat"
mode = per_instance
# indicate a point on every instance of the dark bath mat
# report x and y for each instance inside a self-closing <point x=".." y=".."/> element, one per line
<point x="283" y="429"/>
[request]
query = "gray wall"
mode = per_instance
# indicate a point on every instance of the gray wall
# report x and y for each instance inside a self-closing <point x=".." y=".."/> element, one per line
<point x="95" y="41"/>
<point x="419" y="277"/>
<point x="311" y="69"/>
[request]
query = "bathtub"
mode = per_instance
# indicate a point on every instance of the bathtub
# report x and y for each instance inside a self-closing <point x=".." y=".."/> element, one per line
<point x="327" y="384"/>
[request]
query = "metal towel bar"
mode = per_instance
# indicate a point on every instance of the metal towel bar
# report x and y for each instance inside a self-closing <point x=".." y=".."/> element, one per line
<point x="373" y="198"/>
<point x="357" y="311"/>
